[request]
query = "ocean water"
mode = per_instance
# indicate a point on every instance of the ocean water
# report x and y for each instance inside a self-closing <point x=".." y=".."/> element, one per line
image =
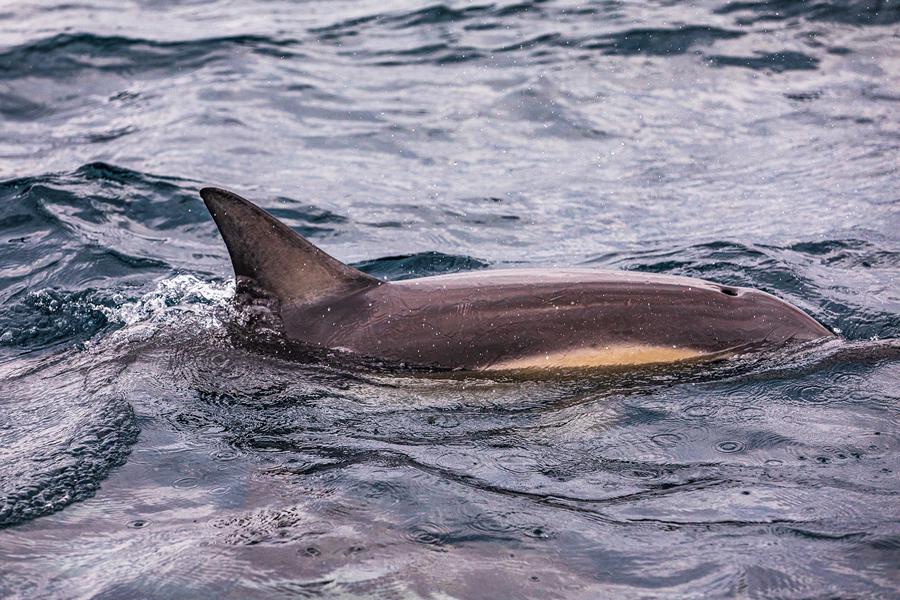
<point x="146" y="453"/>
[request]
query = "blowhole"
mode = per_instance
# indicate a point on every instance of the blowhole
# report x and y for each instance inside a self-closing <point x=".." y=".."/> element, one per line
<point x="729" y="291"/>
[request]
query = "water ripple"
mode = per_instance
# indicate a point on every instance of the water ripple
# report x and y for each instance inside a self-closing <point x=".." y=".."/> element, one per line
<point x="188" y="454"/>
<point x="67" y="53"/>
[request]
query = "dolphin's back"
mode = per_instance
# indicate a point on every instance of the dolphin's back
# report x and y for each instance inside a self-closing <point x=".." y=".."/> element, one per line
<point x="554" y="318"/>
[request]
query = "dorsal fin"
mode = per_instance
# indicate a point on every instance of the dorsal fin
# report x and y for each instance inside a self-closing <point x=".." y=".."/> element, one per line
<point x="276" y="257"/>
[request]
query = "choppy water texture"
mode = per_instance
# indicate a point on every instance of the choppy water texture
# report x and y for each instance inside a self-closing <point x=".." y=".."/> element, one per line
<point x="144" y="453"/>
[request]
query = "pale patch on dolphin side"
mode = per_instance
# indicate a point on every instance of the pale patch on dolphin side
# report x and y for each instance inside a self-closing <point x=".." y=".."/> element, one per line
<point x="601" y="356"/>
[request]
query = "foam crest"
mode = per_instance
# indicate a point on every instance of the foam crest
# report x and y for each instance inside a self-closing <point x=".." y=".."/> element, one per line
<point x="177" y="295"/>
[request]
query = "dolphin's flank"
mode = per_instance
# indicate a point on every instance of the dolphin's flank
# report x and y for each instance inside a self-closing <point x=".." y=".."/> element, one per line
<point x="496" y="319"/>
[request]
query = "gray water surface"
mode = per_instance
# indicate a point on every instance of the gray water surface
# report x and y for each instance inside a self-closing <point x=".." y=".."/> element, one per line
<point x="146" y="453"/>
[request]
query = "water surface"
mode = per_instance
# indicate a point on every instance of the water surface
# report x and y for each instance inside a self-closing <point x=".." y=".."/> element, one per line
<point x="145" y="453"/>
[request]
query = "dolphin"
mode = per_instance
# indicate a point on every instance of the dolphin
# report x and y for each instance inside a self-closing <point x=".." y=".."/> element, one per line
<point x="496" y="319"/>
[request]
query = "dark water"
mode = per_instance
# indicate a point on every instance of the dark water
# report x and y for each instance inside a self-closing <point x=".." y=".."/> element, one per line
<point x="145" y="454"/>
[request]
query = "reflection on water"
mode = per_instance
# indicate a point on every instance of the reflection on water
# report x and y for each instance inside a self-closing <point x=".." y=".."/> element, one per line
<point x="146" y="450"/>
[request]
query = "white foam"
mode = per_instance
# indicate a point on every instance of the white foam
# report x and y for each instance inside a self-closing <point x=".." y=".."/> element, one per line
<point x="174" y="296"/>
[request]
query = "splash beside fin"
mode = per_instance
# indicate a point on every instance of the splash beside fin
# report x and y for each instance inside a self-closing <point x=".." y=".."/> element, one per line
<point x="277" y="258"/>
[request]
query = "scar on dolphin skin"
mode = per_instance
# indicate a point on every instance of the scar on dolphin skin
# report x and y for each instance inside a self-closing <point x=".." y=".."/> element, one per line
<point x="495" y="319"/>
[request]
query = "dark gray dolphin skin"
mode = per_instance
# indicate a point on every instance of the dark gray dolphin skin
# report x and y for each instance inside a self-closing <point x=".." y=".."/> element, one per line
<point x="497" y="319"/>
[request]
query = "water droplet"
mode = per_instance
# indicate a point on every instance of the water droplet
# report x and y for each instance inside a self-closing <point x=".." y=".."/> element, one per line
<point x="640" y="474"/>
<point x="729" y="446"/>
<point x="666" y="440"/>
<point x="817" y="394"/>
<point x="224" y="455"/>
<point x="538" y="532"/>
<point x="699" y="410"/>
<point x="751" y="413"/>
<point x="186" y="483"/>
